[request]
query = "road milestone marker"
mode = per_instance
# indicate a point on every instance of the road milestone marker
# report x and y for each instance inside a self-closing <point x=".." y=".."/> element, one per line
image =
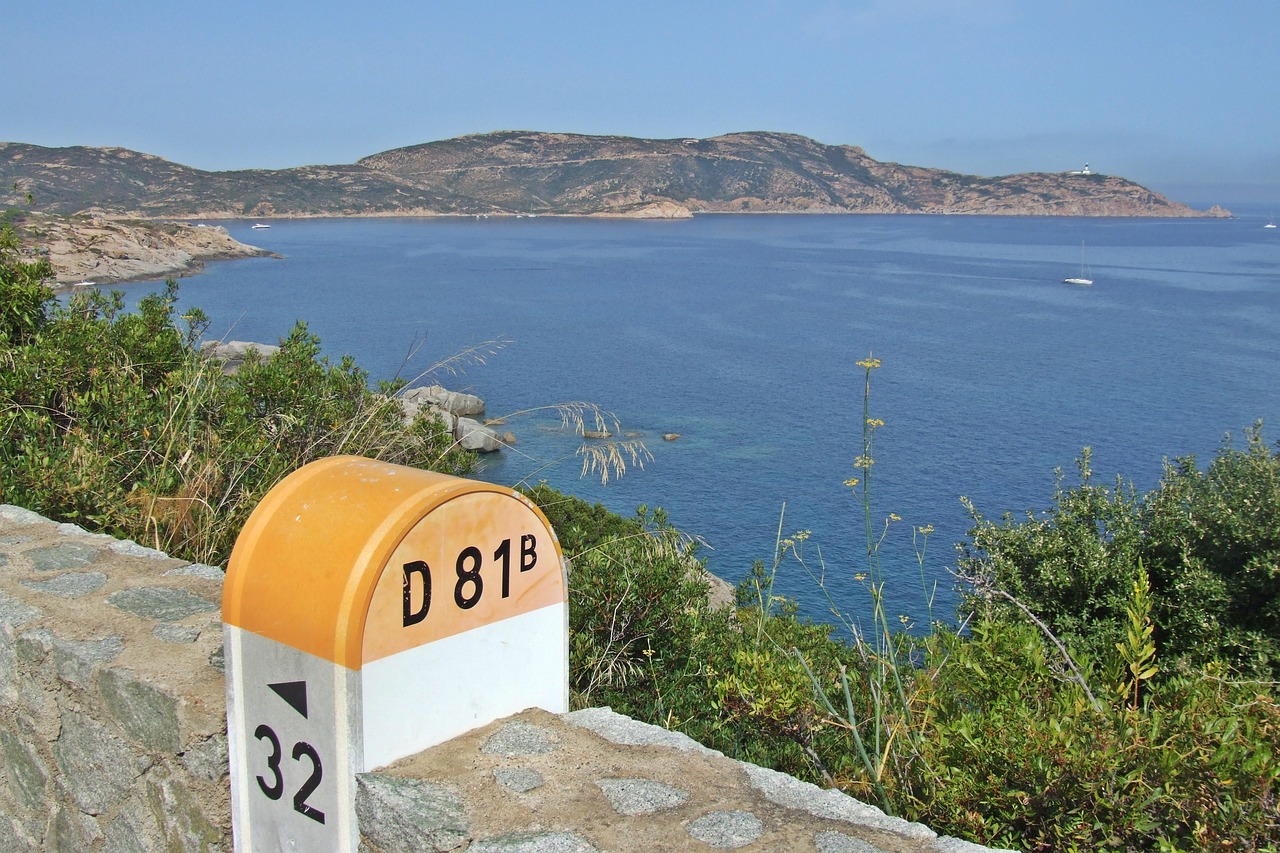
<point x="371" y="611"/>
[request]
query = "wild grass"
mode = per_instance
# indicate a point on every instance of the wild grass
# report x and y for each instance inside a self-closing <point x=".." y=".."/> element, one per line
<point x="600" y="453"/>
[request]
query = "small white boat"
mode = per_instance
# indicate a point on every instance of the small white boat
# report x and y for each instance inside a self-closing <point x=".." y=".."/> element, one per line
<point x="84" y="284"/>
<point x="1082" y="278"/>
<point x="1271" y="223"/>
<point x="260" y="225"/>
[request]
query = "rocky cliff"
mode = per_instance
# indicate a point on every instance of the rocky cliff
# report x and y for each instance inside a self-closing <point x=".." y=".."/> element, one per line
<point x="532" y="173"/>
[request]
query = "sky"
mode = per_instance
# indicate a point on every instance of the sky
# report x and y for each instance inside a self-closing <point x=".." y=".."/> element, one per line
<point x="1181" y="96"/>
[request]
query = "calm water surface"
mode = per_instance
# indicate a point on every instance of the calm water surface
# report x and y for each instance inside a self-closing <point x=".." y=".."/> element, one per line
<point x="742" y="334"/>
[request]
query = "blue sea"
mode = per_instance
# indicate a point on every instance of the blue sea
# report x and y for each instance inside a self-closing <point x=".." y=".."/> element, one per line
<point x="743" y="333"/>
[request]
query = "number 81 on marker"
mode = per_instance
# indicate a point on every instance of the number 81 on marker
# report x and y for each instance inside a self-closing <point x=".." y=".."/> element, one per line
<point x="468" y="587"/>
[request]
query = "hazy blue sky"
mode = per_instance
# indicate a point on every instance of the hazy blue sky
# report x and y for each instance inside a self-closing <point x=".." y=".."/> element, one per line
<point x="1181" y="96"/>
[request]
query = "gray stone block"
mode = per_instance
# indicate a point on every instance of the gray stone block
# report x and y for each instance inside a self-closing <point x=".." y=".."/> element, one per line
<point x="726" y="830"/>
<point x="77" y="661"/>
<point x="534" y="842"/>
<point x="520" y="738"/>
<point x="18" y="515"/>
<point x="25" y="770"/>
<point x="640" y="796"/>
<point x="199" y="570"/>
<point x="409" y="815"/>
<point x="834" y="805"/>
<point x="147" y="714"/>
<point x="180" y="634"/>
<point x="75" y="831"/>
<point x="621" y="729"/>
<point x="518" y="779"/>
<point x="10" y="684"/>
<point x="62" y="556"/>
<point x="15" y="613"/>
<point x="180" y="815"/>
<point x="32" y="647"/>
<point x="70" y="585"/>
<point x="129" y="548"/>
<point x="13" y="839"/>
<point x="838" y="842"/>
<point x="207" y="759"/>
<point x="95" y="766"/>
<point x="947" y="844"/>
<point x="163" y="604"/>
<point x="132" y="831"/>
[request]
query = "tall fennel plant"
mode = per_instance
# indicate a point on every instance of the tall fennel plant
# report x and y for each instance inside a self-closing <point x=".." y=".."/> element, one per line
<point x="884" y="722"/>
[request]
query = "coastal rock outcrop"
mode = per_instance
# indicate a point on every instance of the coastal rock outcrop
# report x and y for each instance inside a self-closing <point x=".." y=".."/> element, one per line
<point x="99" y="250"/>
<point x="455" y="410"/>
<point x="473" y="435"/>
<point x="232" y="354"/>
<point x="439" y="397"/>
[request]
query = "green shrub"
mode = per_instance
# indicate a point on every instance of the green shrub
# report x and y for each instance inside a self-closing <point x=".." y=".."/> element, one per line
<point x="115" y="420"/>
<point x="1072" y="566"/>
<point x="579" y="525"/>
<point x="1018" y="756"/>
<point x="25" y="307"/>
<point x="1210" y="541"/>
<point x="1213" y="545"/>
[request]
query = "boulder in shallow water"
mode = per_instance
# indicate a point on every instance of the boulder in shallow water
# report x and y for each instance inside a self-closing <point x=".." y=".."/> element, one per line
<point x="473" y="435"/>
<point x="438" y="397"/>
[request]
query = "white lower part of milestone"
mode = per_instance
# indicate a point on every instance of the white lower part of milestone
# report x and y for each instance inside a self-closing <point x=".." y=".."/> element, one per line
<point x="293" y="730"/>
<point x="300" y="727"/>
<point x="435" y="692"/>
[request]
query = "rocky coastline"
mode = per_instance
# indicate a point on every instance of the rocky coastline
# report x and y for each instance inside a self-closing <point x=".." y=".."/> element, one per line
<point x="100" y="250"/>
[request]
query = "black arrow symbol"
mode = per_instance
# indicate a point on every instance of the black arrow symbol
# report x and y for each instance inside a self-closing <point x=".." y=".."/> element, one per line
<point x="293" y="692"/>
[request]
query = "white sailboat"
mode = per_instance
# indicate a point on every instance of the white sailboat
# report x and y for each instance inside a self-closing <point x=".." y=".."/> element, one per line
<point x="1271" y="223"/>
<point x="1082" y="278"/>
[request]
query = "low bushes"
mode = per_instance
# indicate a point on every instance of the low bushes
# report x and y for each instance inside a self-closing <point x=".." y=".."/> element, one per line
<point x="113" y="420"/>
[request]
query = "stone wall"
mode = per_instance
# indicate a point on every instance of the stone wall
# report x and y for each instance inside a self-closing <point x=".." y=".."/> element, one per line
<point x="112" y="703"/>
<point x="113" y="734"/>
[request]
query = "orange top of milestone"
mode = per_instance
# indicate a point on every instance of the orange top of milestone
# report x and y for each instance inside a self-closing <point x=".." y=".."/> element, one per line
<point x="352" y="560"/>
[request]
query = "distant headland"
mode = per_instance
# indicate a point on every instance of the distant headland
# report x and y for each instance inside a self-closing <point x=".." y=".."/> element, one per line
<point x="526" y="173"/>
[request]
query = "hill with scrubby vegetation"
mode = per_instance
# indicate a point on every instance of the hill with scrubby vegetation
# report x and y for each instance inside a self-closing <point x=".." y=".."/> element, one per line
<point x="525" y="172"/>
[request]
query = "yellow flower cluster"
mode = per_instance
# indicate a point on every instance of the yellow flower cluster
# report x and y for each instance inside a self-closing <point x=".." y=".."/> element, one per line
<point x="870" y="363"/>
<point x="794" y="541"/>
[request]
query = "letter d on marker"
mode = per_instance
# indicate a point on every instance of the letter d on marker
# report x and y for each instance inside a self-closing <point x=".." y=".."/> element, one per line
<point x="411" y="616"/>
